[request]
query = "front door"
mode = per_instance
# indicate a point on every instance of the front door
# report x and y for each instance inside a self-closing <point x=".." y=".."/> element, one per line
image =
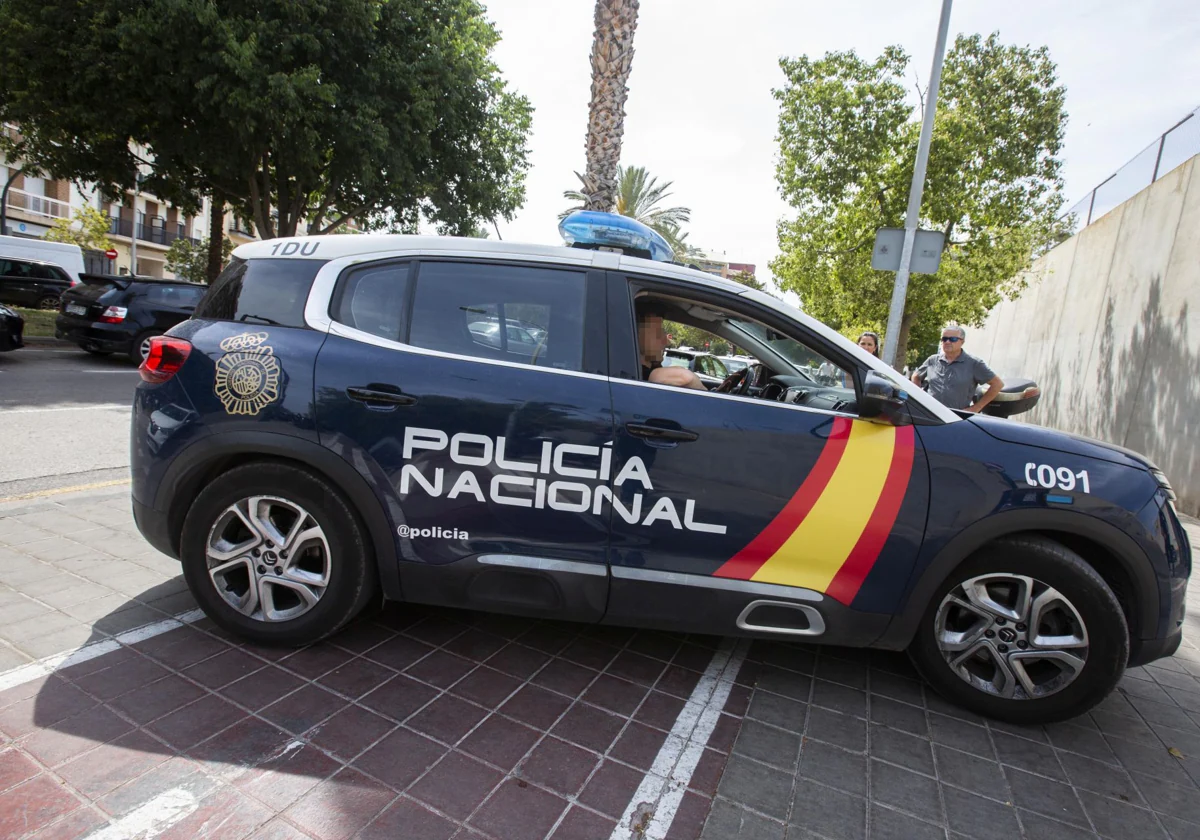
<point x="722" y="500"/>
<point x="473" y="393"/>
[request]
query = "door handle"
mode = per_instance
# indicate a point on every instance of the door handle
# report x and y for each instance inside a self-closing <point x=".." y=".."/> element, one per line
<point x="659" y="433"/>
<point x="379" y="396"/>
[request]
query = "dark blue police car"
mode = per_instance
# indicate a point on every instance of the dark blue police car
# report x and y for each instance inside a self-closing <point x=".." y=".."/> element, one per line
<point x="349" y="416"/>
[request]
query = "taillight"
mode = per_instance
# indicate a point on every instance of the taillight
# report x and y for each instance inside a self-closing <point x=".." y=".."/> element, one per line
<point x="165" y="358"/>
<point x="114" y="315"/>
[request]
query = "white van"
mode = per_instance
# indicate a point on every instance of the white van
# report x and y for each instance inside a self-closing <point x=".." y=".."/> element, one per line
<point x="68" y="257"/>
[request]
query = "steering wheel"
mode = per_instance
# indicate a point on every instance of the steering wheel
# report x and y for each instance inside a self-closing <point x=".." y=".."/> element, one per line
<point x="739" y="383"/>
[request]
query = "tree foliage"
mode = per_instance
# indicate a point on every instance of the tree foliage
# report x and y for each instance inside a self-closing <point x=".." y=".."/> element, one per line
<point x="87" y="228"/>
<point x="317" y="111"/>
<point x="848" y="141"/>
<point x="748" y="279"/>
<point x="188" y="260"/>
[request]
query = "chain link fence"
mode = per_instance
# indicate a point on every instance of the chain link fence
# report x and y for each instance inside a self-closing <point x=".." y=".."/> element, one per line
<point x="1178" y="143"/>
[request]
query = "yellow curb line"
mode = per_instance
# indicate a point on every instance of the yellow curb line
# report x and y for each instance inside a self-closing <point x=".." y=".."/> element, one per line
<point x="60" y="490"/>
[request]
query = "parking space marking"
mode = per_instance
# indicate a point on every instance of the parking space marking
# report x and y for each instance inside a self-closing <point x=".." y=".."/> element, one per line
<point x="661" y="791"/>
<point x="151" y="819"/>
<point x="49" y="664"/>
<point x="55" y="491"/>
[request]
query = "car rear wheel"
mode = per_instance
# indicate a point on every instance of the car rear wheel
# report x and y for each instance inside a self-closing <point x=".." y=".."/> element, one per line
<point x="1024" y="631"/>
<point x="48" y="302"/>
<point x="141" y="346"/>
<point x="274" y="554"/>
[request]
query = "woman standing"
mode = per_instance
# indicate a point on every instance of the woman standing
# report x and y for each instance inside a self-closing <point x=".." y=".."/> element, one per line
<point x="869" y="341"/>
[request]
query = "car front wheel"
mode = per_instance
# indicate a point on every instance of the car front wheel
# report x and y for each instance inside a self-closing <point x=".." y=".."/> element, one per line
<point x="274" y="554"/>
<point x="1023" y="631"/>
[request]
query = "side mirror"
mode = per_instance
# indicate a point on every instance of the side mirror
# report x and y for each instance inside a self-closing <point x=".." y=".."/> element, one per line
<point x="883" y="399"/>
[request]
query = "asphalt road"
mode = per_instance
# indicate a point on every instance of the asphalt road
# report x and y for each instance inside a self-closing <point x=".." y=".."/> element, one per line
<point x="64" y="418"/>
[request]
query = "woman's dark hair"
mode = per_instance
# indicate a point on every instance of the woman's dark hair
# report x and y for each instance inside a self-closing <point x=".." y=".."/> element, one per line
<point x="874" y="336"/>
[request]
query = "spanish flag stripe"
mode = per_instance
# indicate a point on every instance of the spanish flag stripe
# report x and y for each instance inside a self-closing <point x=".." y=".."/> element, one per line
<point x="746" y="562"/>
<point x="815" y="551"/>
<point x="858" y="565"/>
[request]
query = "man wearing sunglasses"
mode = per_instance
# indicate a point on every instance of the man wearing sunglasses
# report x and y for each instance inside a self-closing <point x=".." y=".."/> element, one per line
<point x="951" y="375"/>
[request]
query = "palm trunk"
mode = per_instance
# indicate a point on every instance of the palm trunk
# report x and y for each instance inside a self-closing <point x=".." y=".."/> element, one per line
<point x="612" y="59"/>
<point x="216" y="235"/>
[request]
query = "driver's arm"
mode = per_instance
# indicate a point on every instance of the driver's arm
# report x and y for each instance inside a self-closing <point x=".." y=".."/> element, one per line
<point x="677" y="376"/>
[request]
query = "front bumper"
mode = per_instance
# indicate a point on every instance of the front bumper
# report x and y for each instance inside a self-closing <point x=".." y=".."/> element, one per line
<point x="1142" y="651"/>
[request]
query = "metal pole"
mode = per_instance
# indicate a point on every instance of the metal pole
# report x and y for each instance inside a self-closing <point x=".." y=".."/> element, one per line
<point x="892" y="350"/>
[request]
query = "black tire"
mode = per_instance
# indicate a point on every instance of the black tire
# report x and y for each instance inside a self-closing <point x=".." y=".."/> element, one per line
<point x="352" y="573"/>
<point x="135" y="349"/>
<point x="95" y="352"/>
<point x="1057" y="566"/>
<point x="48" y="302"/>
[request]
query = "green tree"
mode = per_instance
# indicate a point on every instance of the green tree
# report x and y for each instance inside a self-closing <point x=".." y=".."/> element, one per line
<point x="188" y="260"/>
<point x="748" y="279"/>
<point x="848" y="144"/>
<point x="316" y="111"/>
<point x="612" y="60"/>
<point x="638" y="196"/>
<point x="91" y="233"/>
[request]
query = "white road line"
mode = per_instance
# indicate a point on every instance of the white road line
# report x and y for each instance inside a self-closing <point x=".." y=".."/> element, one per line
<point x="10" y="412"/>
<point x="657" y="799"/>
<point x="49" y="664"/>
<point x="149" y="820"/>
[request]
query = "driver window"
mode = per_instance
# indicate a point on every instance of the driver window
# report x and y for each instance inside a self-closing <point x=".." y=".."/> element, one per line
<point x="780" y="368"/>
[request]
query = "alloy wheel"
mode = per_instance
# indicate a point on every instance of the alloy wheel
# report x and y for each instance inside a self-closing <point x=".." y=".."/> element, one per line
<point x="268" y="558"/>
<point x="144" y="347"/>
<point x="1011" y="636"/>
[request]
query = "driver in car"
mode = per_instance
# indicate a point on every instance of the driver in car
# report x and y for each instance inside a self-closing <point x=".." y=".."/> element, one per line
<point x="652" y="341"/>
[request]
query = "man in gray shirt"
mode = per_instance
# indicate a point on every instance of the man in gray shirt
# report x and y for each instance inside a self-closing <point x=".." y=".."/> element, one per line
<point x="951" y="376"/>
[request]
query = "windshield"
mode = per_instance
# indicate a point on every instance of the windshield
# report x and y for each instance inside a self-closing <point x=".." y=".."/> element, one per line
<point x="734" y="365"/>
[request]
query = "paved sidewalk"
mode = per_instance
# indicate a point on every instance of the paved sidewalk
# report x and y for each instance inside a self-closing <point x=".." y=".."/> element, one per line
<point x="845" y="744"/>
<point x="73" y="569"/>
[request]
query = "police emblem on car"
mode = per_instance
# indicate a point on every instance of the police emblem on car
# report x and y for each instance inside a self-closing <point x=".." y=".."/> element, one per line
<point x="247" y="378"/>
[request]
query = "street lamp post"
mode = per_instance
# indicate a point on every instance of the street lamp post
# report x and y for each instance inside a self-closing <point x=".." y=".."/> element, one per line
<point x="892" y="350"/>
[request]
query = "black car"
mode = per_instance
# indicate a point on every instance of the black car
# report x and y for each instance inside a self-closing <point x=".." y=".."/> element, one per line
<point x="32" y="283"/>
<point x="12" y="327"/>
<point x="107" y="314"/>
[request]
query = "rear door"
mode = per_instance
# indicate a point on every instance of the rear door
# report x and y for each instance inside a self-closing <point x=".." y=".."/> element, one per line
<point x="722" y="501"/>
<point x="16" y="282"/>
<point x="491" y="445"/>
<point x="163" y="305"/>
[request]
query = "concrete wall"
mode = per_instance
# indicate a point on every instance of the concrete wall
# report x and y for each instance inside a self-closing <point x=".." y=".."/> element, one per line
<point x="1109" y="326"/>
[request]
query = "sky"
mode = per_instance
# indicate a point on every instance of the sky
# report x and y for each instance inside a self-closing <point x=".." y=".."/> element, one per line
<point x="700" y="111"/>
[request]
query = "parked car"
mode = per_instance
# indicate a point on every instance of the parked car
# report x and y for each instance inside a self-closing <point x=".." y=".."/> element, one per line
<point x="708" y="367"/>
<point x="12" y="329"/>
<point x="108" y="314"/>
<point x="733" y="364"/>
<point x="66" y="256"/>
<point x="327" y="427"/>
<point x="32" y="283"/>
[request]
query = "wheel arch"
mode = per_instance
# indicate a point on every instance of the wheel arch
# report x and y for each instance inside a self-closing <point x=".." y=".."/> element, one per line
<point x="1114" y="555"/>
<point x="200" y="463"/>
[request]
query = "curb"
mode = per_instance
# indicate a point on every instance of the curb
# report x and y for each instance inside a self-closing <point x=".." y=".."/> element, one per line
<point x="46" y="340"/>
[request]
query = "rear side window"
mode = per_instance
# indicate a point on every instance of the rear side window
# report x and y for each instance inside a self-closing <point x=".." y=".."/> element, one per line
<point x="15" y="268"/>
<point x="509" y="312"/>
<point x="373" y="299"/>
<point x="175" y="295"/>
<point x="261" y="291"/>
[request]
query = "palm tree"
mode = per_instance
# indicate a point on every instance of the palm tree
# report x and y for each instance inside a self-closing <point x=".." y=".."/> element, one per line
<point x="612" y="58"/>
<point x="638" y="195"/>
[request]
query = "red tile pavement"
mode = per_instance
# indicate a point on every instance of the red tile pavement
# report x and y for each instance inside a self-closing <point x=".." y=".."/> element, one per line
<point x="414" y="723"/>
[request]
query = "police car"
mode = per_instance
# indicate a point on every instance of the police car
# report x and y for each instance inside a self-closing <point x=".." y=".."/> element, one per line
<point x="330" y="427"/>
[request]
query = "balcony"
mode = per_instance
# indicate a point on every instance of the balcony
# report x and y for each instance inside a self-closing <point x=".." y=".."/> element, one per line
<point x="38" y="205"/>
<point x="156" y="230"/>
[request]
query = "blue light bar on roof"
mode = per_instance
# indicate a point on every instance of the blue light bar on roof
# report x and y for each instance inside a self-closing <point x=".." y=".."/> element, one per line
<point x="593" y="229"/>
